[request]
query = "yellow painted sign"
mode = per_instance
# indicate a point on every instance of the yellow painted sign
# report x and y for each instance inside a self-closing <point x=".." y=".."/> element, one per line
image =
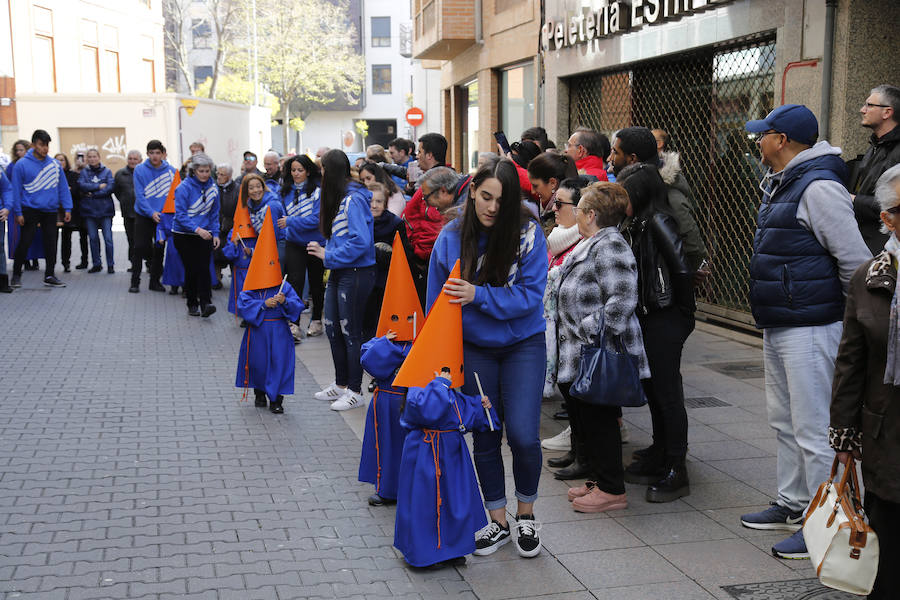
<point x="189" y="105"/>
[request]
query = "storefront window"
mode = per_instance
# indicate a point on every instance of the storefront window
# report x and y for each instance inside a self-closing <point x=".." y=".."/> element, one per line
<point x="472" y="126"/>
<point x="517" y="100"/>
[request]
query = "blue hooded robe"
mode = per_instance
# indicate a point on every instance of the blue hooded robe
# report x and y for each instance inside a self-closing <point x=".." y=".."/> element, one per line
<point x="439" y="507"/>
<point x="382" y="446"/>
<point x="240" y="262"/>
<point x="266" y="360"/>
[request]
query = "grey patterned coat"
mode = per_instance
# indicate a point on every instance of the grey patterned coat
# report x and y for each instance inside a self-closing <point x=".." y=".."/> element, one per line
<point x="598" y="288"/>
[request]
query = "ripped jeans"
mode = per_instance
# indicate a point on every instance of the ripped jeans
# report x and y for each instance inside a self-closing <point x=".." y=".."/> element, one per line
<point x="345" y="303"/>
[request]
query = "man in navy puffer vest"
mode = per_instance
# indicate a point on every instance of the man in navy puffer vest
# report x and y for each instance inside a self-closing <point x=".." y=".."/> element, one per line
<point x="805" y="250"/>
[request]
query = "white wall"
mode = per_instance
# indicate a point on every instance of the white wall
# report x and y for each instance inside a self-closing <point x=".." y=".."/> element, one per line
<point x="138" y="35"/>
<point x="226" y="129"/>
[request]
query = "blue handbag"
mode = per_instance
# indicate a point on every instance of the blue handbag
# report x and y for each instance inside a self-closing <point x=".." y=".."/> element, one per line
<point x="608" y="377"/>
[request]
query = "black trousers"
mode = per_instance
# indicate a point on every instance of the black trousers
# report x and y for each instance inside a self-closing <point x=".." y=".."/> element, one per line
<point x="47" y="221"/>
<point x="665" y="332"/>
<point x="300" y="264"/>
<point x="884" y="517"/>
<point x="598" y="439"/>
<point x="195" y="252"/>
<point x="129" y="233"/>
<point x="145" y="247"/>
<point x="372" y="312"/>
<point x="65" y="244"/>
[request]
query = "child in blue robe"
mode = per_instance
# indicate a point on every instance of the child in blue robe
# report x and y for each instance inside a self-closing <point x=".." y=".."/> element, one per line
<point x="439" y="505"/>
<point x="379" y="462"/>
<point x="239" y="257"/>
<point x="266" y="361"/>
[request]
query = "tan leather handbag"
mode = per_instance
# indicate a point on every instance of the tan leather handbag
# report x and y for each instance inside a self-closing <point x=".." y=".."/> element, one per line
<point x="841" y="545"/>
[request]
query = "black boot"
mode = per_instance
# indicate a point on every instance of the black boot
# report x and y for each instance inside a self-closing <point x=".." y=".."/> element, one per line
<point x="640" y="454"/>
<point x="673" y="485"/>
<point x="577" y="470"/>
<point x="4" y="285"/>
<point x="647" y="470"/>
<point x="276" y="406"/>
<point x="561" y="461"/>
<point x="260" y="401"/>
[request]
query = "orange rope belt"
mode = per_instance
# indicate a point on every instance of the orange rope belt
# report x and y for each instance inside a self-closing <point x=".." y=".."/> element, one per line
<point x="378" y="390"/>
<point x="433" y="437"/>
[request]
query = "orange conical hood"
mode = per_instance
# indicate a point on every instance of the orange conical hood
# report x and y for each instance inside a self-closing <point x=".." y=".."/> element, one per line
<point x="169" y="206"/>
<point x="438" y="345"/>
<point x="265" y="270"/>
<point x="401" y="310"/>
<point x="242" y="224"/>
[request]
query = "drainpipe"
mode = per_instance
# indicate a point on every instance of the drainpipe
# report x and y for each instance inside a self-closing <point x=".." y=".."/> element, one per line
<point x="825" y="117"/>
<point x="479" y="35"/>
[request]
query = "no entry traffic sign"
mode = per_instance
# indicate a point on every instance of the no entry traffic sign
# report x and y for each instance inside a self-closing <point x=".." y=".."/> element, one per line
<point x="415" y="116"/>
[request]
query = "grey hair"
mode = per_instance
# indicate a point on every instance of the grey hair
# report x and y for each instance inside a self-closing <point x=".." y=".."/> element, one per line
<point x="225" y="167"/>
<point x="202" y="160"/>
<point x="886" y="191"/>
<point x="271" y="153"/>
<point x="441" y="177"/>
<point x="889" y="95"/>
<point x="130" y="152"/>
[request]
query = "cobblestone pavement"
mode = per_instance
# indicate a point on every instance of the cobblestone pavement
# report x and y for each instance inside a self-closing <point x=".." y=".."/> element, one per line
<point x="129" y="468"/>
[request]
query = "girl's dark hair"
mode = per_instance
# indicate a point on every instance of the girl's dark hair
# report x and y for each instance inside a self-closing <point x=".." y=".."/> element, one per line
<point x="646" y="190"/>
<point x="335" y="177"/>
<point x="245" y="183"/>
<point x="524" y="152"/>
<point x="503" y="238"/>
<point x="381" y="177"/>
<point x="312" y="175"/>
<point x="68" y="165"/>
<point x="551" y="165"/>
<point x="576" y="184"/>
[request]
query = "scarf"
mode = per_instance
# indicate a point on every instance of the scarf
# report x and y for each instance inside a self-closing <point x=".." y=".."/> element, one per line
<point x="892" y="364"/>
<point x="561" y="239"/>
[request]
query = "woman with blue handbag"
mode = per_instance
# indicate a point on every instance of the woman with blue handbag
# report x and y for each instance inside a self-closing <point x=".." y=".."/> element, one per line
<point x="597" y="297"/>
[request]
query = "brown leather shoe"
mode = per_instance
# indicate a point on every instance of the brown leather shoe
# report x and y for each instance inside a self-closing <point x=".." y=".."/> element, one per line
<point x="599" y="501"/>
<point x="578" y="492"/>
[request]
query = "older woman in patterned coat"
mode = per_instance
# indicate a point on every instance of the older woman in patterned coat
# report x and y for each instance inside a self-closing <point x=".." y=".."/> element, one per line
<point x="598" y="293"/>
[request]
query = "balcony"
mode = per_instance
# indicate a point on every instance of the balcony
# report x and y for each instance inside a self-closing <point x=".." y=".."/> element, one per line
<point x="443" y="28"/>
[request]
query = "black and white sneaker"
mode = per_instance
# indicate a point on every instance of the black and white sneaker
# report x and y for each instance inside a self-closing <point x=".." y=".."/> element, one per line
<point x="490" y="538"/>
<point x="51" y="281"/>
<point x="528" y="543"/>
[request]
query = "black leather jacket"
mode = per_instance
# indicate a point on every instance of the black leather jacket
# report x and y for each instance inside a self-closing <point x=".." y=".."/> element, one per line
<point x="663" y="276"/>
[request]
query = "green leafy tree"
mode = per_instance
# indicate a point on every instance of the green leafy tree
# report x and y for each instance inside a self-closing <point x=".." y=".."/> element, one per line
<point x="362" y="128"/>
<point x="307" y="57"/>
<point x="235" y="88"/>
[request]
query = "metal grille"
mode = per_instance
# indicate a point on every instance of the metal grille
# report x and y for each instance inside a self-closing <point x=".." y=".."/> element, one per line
<point x="702" y="99"/>
<point x="704" y="402"/>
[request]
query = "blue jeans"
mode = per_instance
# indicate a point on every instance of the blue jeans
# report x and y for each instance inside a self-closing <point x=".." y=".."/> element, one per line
<point x="513" y="379"/>
<point x="3" y="245"/>
<point x="799" y="364"/>
<point x="93" y="224"/>
<point x="345" y="303"/>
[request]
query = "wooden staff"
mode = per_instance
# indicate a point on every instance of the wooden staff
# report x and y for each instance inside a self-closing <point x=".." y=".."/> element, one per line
<point x="281" y="287"/>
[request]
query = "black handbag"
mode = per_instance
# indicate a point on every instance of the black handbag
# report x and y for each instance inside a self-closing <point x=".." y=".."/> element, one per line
<point x="608" y="377"/>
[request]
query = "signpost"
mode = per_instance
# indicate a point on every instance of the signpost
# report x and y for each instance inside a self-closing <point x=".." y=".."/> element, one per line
<point x="415" y="117"/>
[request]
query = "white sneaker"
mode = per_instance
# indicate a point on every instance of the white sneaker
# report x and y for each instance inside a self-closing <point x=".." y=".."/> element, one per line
<point x="349" y="400"/>
<point x="296" y="332"/>
<point x="315" y="329"/>
<point x="330" y="393"/>
<point x="625" y="433"/>
<point x="561" y="441"/>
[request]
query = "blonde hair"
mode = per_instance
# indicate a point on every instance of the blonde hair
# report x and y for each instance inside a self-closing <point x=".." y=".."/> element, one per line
<point x="609" y="201"/>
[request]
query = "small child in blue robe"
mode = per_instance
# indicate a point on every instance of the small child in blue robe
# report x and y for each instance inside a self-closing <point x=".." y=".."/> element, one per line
<point x="379" y="462"/>
<point x="239" y="255"/>
<point x="439" y="505"/>
<point x="266" y="361"/>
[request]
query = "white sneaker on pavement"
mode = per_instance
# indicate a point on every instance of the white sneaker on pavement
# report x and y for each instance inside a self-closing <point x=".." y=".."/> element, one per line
<point x="561" y="441"/>
<point x="330" y="393"/>
<point x="348" y="400"/>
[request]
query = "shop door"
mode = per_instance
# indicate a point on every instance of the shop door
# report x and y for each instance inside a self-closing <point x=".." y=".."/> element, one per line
<point x="702" y="99"/>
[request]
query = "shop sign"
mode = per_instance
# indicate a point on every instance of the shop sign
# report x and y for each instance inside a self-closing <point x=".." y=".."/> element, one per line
<point x="616" y="17"/>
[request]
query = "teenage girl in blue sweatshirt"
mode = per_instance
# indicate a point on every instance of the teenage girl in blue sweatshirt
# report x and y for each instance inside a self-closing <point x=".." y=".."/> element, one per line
<point x="503" y="260"/>
<point x="346" y="222"/>
<point x="196" y="232"/>
<point x="259" y="199"/>
<point x="300" y="195"/>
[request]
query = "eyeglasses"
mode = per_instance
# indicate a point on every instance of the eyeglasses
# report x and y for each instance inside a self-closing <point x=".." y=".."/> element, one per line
<point x="560" y="203"/>
<point x="870" y="105"/>
<point x="760" y="136"/>
<point x="893" y="210"/>
<point x="430" y="194"/>
<point x="249" y="157"/>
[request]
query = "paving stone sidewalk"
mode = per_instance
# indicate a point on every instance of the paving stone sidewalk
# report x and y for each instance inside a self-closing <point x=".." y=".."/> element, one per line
<point x="129" y="468"/>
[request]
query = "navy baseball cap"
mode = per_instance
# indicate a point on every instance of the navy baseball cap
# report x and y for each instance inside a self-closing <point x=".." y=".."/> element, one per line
<point x="794" y="120"/>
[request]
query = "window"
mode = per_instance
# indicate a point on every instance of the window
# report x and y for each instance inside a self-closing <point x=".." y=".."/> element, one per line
<point x="43" y="56"/>
<point x="201" y="74"/>
<point x="381" y="32"/>
<point x="90" y="57"/>
<point x="148" y="65"/>
<point x="201" y="33"/>
<point x="110" y="76"/>
<point x="381" y="79"/>
<point x="517" y="97"/>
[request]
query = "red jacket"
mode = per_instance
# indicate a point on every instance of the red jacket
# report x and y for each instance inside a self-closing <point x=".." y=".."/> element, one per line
<point x="423" y="224"/>
<point x="592" y="165"/>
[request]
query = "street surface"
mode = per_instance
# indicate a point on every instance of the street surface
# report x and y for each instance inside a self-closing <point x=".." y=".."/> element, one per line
<point x="129" y="468"/>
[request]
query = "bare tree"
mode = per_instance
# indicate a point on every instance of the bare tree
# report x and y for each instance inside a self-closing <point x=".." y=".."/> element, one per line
<point x="177" y="45"/>
<point x="225" y="18"/>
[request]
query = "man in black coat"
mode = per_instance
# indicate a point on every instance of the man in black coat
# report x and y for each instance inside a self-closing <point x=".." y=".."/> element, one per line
<point x="881" y="114"/>
<point x="123" y="188"/>
<point x="228" y="197"/>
